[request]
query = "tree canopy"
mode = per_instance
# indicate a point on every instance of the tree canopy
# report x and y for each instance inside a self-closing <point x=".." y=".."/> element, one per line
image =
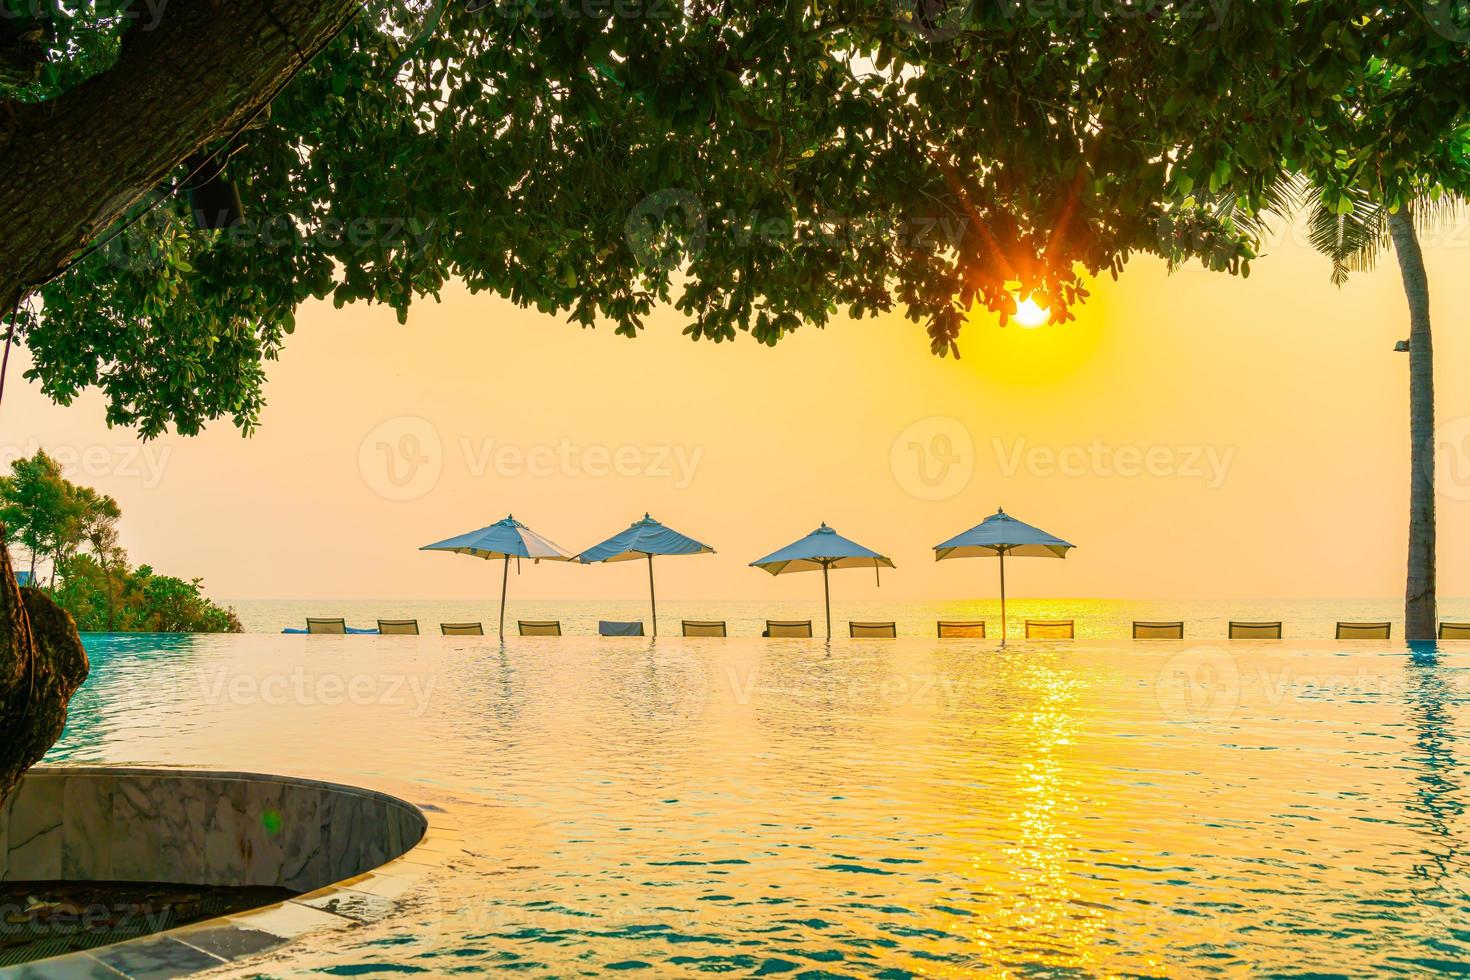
<point x="760" y="166"/>
<point x="54" y="520"/>
<point x="51" y="517"/>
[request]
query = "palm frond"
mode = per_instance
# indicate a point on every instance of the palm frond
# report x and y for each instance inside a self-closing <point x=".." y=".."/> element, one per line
<point x="1352" y="241"/>
<point x="1433" y="211"/>
<point x="1280" y="199"/>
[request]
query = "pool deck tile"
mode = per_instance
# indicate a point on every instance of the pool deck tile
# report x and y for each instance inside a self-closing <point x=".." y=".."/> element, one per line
<point x="351" y="903"/>
<point x="369" y="896"/>
<point x="228" y="942"/>
<point x="156" y="958"/>
<point x="75" y="966"/>
<point x="288" y="919"/>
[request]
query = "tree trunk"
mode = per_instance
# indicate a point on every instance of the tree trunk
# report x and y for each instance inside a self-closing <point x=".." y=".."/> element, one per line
<point x="73" y="165"/>
<point x="1420" y="612"/>
<point x="42" y="664"/>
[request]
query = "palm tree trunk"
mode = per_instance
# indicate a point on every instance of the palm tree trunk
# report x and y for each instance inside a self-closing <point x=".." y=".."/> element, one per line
<point x="1420" y="613"/>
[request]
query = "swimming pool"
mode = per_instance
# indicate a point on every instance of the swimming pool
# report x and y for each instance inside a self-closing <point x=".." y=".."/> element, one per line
<point x="884" y="809"/>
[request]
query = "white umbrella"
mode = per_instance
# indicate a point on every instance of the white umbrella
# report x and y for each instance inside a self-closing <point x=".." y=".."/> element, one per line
<point x="999" y="535"/>
<point x="644" y="539"/>
<point x="824" y="548"/>
<point x="503" y="539"/>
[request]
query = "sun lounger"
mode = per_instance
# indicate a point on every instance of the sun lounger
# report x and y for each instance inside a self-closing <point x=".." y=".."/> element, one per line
<point x="1144" y="630"/>
<point x="788" y="627"/>
<point x="609" y="628"/>
<point x="539" y="627"/>
<point x="326" y="625"/>
<point x="957" y="630"/>
<point x="1255" y="631"/>
<point x="872" y="631"/>
<point x="1364" y="631"/>
<point x="462" y="629"/>
<point x="695" y="627"/>
<point x="1050" y="629"/>
<point x="1454" y="631"/>
<point x="398" y="627"/>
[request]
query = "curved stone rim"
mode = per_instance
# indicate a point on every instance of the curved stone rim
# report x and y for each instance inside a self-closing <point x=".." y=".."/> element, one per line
<point x="371" y="896"/>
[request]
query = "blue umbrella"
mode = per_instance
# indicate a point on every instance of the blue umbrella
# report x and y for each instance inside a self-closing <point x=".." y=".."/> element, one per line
<point x="999" y="535"/>
<point x="824" y="548"/>
<point x="644" y="539"/>
<point x="504" y="539"/>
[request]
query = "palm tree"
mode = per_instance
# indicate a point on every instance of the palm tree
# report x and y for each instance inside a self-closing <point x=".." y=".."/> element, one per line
<point x="1353" y="241"/>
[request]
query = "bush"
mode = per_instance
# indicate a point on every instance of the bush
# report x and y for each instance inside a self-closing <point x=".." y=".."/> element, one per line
<point x="128" y="600"/>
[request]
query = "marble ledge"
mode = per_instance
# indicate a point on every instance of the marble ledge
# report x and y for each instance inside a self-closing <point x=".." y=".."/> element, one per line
<point x="309" y="835"/>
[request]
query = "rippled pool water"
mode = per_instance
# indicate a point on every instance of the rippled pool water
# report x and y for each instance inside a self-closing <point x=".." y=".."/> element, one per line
<point x="882" y="809"/>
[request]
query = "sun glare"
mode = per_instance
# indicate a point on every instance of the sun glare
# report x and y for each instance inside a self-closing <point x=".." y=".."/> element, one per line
<point x="1030" y="314"/>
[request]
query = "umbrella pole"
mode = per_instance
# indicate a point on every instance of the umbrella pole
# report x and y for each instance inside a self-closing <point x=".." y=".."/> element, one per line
<point x="1002" y="598"/>
<point x="504" y="578"/>
<point x="827" y="599"/>
<point x="652" y="599"/>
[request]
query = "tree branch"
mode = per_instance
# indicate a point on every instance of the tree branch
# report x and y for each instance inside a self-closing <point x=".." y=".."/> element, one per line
<point x="75" y="164"/>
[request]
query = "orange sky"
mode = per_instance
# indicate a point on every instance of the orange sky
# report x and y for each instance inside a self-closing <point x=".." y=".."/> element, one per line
<point x="1195" y="435"/>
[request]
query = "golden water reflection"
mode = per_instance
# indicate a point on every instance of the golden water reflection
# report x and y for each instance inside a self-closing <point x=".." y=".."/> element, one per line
<point x="876" y="809"/>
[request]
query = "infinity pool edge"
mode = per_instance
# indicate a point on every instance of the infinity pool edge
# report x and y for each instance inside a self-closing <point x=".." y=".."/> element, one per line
<point x="353" y="852"/>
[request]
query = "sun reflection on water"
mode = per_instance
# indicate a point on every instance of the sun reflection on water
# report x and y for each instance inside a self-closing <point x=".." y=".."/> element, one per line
<point x="876" y="810"/>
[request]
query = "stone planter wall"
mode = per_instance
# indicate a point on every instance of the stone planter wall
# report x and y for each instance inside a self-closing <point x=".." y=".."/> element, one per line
<point x="204" y="828"/>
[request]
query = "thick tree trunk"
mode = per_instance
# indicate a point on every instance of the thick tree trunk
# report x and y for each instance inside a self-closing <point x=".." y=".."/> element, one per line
<point x="42" y="664"/>
<point x="73" y="165"/>
<point x="1420" y="612"/>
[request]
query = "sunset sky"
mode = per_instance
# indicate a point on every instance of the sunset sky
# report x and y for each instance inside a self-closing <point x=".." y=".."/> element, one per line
<point x="1195" y="435"/>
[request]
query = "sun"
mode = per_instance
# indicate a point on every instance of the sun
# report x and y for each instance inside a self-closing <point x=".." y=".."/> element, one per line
<point x="1031" y="314"/>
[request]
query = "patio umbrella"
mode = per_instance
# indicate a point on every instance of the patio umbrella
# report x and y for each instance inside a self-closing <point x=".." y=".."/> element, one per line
<point x="644" y="539"/>
<point x="824" y="548"/>
<point x="999" y="535"/>
<point x="504" y="539"/>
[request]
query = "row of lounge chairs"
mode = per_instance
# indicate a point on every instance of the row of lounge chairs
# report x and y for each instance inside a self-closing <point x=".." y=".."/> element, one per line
<point x="1056" y="629"/>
